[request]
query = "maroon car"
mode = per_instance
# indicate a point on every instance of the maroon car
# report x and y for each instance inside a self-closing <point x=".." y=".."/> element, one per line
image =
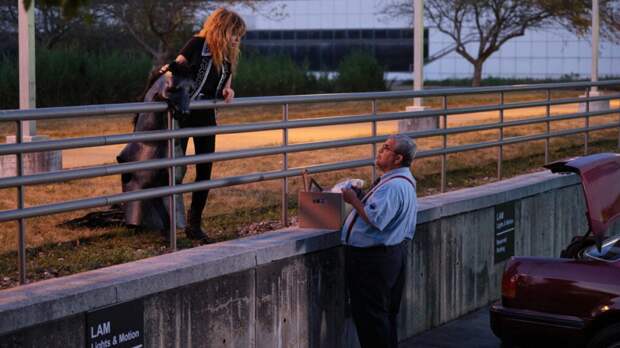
<point x="573" y="300"/>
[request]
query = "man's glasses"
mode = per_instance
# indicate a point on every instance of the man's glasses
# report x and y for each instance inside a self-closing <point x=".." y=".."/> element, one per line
<point x="386" y="147"/>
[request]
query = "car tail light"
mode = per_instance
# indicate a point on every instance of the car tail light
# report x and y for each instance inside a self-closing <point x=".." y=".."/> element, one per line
<point x="510" y="280"/>
<point x="509" y="285"/>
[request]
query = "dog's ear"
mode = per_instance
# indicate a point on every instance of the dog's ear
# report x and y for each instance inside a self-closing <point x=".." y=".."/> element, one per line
<point x="159" y="97"/>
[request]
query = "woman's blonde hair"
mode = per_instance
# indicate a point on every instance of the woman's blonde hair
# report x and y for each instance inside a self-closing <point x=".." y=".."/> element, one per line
<point x="219" y="27"/>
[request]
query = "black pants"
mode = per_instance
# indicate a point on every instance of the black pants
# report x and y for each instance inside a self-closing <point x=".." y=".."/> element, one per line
<point x="202" y="145"/>
<point x="375" y="278"/>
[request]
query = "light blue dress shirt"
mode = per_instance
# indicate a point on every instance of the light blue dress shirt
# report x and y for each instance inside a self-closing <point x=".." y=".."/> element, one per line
<point x="392" y="209"/>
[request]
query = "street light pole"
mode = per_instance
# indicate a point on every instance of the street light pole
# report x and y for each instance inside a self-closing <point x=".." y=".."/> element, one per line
<point x="27" y="81"/>
<point x="35" y="162"/>
<point x="417" y="123"/>
<point x="595" y="43"/>
<point x="418" y="48"/>
<point x="597" y="105"/>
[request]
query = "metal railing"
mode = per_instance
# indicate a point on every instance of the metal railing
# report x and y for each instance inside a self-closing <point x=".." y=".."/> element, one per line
<point x="20" y="148"/>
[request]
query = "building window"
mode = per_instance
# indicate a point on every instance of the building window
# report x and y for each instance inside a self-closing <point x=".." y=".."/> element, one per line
<point x="325" y="49"/>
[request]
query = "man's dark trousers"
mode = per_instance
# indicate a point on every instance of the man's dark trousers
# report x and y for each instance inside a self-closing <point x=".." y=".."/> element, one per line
<point x="376" y="277"/>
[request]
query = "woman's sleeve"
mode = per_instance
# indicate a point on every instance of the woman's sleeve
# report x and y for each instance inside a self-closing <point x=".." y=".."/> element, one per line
<point x="195" y="43"/>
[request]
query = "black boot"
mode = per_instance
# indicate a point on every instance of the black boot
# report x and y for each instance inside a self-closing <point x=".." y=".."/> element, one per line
<point x="193" y="230"/>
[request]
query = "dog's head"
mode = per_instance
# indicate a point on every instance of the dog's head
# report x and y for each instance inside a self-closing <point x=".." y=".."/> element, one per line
<point x="179" y="85"/>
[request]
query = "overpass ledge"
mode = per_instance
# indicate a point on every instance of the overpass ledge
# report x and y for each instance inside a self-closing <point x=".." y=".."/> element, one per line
<point x="297" y="273"/>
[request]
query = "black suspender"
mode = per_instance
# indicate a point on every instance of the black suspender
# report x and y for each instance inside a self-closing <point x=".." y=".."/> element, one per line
<point x="367" y="195"/>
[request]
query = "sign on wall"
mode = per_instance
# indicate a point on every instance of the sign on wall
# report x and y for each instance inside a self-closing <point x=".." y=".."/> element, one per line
<point x="118" y="326"/>
<point x="504" y="231"/>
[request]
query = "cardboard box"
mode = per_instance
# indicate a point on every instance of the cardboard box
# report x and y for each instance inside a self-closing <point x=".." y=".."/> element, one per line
<point x="324" y="210"/>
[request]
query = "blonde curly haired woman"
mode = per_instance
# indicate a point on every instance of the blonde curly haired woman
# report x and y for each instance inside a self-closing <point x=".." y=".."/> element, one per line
<point x="212" y="56"/>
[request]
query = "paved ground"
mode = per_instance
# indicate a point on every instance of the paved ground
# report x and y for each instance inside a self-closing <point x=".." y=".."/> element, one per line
<point x="472" y="330"/>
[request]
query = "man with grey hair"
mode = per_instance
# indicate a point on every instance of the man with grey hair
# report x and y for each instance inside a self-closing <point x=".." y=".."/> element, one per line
<point x="375" y="236"/>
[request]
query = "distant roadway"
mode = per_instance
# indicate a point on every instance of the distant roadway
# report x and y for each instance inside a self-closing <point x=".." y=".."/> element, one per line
<point x="227" y="142"/>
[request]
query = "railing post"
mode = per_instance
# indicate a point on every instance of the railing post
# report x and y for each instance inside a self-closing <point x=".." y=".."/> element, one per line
<point x="444" y="156"/>
<point x="284" y="198"/>
<point x="547" y="124"/>
<point x="374" y="144"/>
<point x="586" y="135"/>
<point x="21" y="239"/>
<point x="500" y="148"/>
<point x="172" y="206"/>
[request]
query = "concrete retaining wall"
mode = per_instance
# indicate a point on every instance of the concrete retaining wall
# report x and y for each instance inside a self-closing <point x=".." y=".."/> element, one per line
<point x="285" y="288"/>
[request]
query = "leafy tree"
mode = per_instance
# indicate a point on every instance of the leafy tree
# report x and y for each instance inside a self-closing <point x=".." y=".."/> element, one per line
<point x="492" y="23"/>
<point x="159" y="27"/>
<point x="51" y="24"/>
<point x="70" y="8"/>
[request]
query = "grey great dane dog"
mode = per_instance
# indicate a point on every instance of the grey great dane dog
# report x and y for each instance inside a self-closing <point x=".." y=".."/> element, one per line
<point x="174" y="87"/>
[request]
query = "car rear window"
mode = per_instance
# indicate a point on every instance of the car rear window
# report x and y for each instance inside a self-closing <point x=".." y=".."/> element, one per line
<point x="610" y="251"/>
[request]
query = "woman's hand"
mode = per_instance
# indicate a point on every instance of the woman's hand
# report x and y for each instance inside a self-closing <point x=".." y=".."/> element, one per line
<point x="229" y="94"/>
<point x="180" y="59"/>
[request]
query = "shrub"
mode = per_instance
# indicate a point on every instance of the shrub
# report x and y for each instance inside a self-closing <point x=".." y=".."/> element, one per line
<point x="320" y="83"/>
<point x="70" y="77"/>
<point x="269" y="75"/>
<point x="74" y="77"/>
<point x="497" y="81"/>
<point x="9" y="88"/>
<point x="360" y="72"/>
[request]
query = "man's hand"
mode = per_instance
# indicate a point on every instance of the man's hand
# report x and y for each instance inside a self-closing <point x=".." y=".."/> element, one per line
<point x="229" y="94"/>
<point x="349" y="196"/>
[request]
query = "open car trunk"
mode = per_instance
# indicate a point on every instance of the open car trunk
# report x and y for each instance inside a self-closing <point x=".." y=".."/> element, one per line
<point x="600" y="179"/>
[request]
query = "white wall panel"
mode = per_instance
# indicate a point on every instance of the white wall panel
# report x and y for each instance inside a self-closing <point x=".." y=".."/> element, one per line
<point x="538" y="54"/>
